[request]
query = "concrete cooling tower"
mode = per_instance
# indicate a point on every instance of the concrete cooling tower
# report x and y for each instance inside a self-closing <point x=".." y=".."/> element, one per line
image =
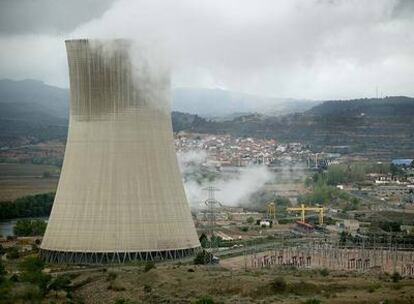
<point x="120" y="195"/>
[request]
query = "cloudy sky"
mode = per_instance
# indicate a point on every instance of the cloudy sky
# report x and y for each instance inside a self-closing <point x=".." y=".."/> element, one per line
<point x="315" y="49"/>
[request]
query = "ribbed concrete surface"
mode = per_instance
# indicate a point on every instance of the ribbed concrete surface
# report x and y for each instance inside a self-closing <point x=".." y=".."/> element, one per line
<point x="120" y="189"/>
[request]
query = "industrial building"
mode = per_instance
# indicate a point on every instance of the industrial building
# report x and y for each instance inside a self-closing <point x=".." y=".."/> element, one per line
<point x="120" y="195"/>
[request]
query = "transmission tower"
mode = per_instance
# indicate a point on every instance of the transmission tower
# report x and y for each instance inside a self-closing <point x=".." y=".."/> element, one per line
<point x="211" y="204"/>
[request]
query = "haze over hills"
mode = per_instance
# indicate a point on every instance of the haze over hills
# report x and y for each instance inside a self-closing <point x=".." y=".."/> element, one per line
<point x="219" y="104"/>
<point x="31" y="111"/>
<point x="41" y="99"/>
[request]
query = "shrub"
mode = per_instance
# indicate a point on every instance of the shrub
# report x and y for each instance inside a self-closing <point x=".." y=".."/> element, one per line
<point x="244" y="229"/>
<point x="149" y="265"/>
<point x="60" y="283"/>
<point x="31" y="268"/>
<point x="204" y="300"/>
<point x="313" y="301"/>
<point x="203" y="257"/>
<point x="31" y="264"/>
<point x="122" y="301"/>
<point x="3" y="271"/>
<point x="12" y="253"/>
<point x="279" y="284"/>
<point x="2" y="250"/>
<point x="396" y="277"/>
<point x="147" y="288"/>
<point x="324" y="272"/>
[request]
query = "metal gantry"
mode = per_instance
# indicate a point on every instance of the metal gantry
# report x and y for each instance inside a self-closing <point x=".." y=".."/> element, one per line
<point x="303" y="209"/>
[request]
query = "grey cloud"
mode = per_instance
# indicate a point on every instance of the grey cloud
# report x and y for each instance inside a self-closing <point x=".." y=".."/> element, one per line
<point x="48" y="16"/>
<point x="313" y="49"/>
<point x="403" y="9"/>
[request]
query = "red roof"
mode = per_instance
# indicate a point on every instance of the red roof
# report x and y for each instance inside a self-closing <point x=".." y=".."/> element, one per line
<point x="300" y="223"/>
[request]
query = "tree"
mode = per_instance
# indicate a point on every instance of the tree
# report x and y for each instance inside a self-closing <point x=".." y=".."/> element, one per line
<point x="342" y="238"/>
<point x="27" y="206"/>
<point x="3" y="271"/>
<point x="31" y="271"/>
<point x="2" y="250"/>
<point x="203" y="257"/>
<point x="59" y="283"/>
<point x="31" y="264"/>
<point x="12" y="253"/>
<point x="27" y="227"/>
<point x="204" y="240"/>
<point x="215" y="241"/>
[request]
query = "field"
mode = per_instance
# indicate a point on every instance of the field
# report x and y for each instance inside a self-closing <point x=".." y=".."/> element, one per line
<point x="189" y="283"/>
<point x="17" y="180"/>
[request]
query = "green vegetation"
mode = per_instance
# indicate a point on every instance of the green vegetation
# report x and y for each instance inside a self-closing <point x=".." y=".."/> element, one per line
<point x="260" y="198"/>
<point x="204" y="300"/>
<point x="312" y="301"/>
<point x="27" y="227"/>
<point x="396" y="277"/>
<point x="149" y="265"/>
<point x="12" y="253"/>
<point x="122" y="301"/>
<point x="27" y="206"/>
<point x="60" y="283"/>
<point x="279" y="285"/>
<point x="250" y="220"/>
<point x="351" y="173"/>
<point x="31" y="271"/>
<point x="204" y="240"/>
<point x="214" y="241"/>
<point x="322" y="194"/>
<point x="203" y="257"/>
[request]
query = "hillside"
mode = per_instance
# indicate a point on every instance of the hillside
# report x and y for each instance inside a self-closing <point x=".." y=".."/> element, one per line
<point x="377" y="128"/>
<point x="31" y="112"/>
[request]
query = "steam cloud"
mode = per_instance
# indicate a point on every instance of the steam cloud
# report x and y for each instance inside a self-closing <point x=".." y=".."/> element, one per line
<point x="234" y="188"/>
<point x="328" y="49"/>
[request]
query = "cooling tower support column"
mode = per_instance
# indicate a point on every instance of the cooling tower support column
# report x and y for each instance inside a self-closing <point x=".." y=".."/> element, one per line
<point x="120" y="195"/>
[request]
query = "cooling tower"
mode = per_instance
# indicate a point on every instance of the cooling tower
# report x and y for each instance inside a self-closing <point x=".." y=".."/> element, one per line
<point x="120" y="195"/>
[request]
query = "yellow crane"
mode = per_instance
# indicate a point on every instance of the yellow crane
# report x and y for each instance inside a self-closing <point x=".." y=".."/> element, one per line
<point x="303" y="209"/>
<point x="271" y="211"/>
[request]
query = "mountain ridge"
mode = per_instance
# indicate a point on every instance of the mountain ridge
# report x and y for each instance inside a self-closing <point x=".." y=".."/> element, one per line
<point x="379" y="126"/>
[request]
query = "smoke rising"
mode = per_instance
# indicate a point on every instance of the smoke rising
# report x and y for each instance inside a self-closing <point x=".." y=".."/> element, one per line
<point x="235" y="186"/>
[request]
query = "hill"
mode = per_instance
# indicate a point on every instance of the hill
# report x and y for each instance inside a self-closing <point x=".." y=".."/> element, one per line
<point x="377" y="128"/>
<point x="31" y="112"/>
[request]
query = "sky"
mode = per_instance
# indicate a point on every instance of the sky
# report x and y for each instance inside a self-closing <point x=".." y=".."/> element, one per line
<point x="308" y="49"/>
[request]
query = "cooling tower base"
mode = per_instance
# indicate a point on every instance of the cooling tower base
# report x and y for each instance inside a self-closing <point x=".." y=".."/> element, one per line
<point x="70" y="257"/>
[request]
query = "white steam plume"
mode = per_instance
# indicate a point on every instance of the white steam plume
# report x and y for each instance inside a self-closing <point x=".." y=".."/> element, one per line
<point x="234" y="188"/>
